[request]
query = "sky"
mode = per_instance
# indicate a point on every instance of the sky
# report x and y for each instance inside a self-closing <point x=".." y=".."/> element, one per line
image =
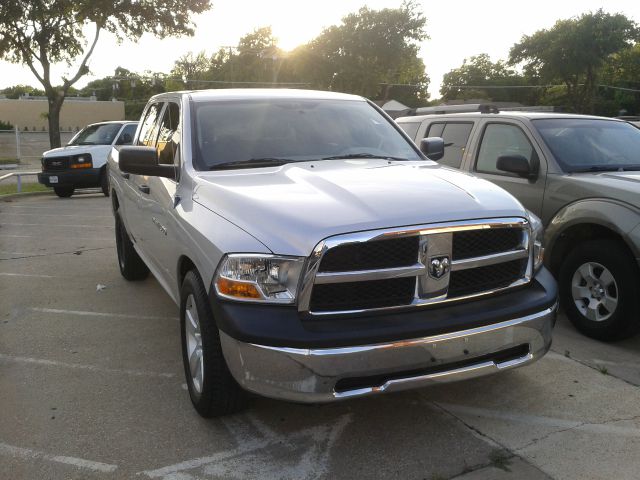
<point x="457" y="30"/>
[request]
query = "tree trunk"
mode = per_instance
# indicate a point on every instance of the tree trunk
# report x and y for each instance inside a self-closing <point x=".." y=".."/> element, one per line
<point x="55" y="105"/>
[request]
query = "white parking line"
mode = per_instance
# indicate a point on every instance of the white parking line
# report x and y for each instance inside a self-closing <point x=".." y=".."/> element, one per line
<point x="98" y="314"/>
<point x="6" y="274"/>
<point x="28" y="453"/>
<point x="248" y="460"/>
<point x="54" y="363"/>
<point x="50" y="237"/>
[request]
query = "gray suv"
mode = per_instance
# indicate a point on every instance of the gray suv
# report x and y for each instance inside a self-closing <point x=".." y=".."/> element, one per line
<point x="581" y="176"/>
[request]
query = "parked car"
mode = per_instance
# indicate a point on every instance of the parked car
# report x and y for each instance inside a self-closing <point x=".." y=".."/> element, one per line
<point x="581" y="176"/>
<point x="315" y="253"/>
<point x="82" y="162"/>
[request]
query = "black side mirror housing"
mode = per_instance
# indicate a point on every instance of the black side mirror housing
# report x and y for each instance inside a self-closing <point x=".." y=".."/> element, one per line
<point x="144" y="161"/>
<point x="516" y="164"/>
<point x="432" y="147"/>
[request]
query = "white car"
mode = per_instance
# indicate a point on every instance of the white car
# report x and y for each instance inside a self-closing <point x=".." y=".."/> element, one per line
<point x="82" y="162"/>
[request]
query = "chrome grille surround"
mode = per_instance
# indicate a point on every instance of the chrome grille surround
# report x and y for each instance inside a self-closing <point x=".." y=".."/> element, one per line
<point x="436" y="240"/>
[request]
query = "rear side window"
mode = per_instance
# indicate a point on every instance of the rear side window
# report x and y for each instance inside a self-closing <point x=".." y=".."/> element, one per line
<point x="455" y="136"/>
<point x="502" y="139"/>
<point x="148" y="129"/>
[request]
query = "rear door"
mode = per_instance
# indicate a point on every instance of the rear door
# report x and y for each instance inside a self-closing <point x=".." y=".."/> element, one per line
<point x="159" y="198"/>
<point x="135" y="185"/>
<point x="455" y="134"/>
<point x="510" y="138"/>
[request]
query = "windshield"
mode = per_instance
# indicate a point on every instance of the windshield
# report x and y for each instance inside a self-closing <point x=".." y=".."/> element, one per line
<point x="590" y="144"/>
<point x="265" y="132"/>
<point x="102" y="134"/>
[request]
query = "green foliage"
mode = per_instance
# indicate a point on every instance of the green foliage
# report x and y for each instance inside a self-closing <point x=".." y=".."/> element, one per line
<point x="573" y="52"/>
<point x="18" y="90"/>
<point x="44" y="32"/>
<point x="479" y="71"/>
<point x="368" y="49"/>
<point x="5" y="125"/>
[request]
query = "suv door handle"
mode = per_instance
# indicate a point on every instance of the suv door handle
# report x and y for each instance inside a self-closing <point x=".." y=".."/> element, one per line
<point x="144" y="188"/>
<point x="124" y="175"/>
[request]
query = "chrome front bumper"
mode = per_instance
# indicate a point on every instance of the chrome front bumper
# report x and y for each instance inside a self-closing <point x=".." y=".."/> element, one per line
<point x="311" y="375"/>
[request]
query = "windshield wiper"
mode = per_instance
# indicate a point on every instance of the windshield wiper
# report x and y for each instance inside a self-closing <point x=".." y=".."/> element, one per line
<point x="362" y="155"/>
<point x="252" y="163"/>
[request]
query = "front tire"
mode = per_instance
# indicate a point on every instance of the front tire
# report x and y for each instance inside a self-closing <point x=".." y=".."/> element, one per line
<point x="599" y="290"/>
<point x="213" y="390"/>
<point x="104" y="182"/>
<point x="131" y="265"/>
<point x="64" y="192"/>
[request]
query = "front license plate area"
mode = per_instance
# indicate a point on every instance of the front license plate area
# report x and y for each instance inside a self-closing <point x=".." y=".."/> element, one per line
<point x="53" y="179"/>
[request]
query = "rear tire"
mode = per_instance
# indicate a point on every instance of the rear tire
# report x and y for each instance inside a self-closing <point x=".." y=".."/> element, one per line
<point x="213" y="390"/>
<point x="131" y="265"/>
<point x="64" y="192"/>
<point x="599" y="290"/>
<point x="104" y="182"/>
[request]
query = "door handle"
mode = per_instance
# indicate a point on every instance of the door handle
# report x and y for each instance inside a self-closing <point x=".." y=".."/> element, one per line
<point x="124" y="175"/>
<point x="144" y="188"/>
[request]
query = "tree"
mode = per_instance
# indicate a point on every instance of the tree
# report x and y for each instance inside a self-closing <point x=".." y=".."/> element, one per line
<point x="40" y="33"/>
<point x="371" y="53"/>
<point x="479" y="71"/>
<point x="573" y="52"/>
<point x="18" y="90"/>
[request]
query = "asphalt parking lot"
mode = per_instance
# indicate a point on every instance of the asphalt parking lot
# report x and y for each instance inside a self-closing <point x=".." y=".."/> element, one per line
<point x="91" y="386"/>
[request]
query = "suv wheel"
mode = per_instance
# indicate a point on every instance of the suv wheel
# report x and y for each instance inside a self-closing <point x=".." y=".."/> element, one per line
<point x="63" y="192"/>
<point x="212" y="388"/>
<point x="599" y="290"/>
<point x="104" y="182"/>
<point x="131" y="265"/>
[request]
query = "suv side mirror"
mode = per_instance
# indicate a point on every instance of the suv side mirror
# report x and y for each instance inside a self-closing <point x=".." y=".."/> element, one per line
<point x="144" y="161"/>
<point x="432" y="147"/>
<point x="516" y="164"/>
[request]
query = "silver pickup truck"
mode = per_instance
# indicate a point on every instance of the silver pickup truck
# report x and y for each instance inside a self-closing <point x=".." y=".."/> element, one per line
<point x="316" y="254"/>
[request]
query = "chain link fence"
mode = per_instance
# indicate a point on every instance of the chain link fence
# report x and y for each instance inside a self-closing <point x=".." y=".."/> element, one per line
<point x="22" y="150"/>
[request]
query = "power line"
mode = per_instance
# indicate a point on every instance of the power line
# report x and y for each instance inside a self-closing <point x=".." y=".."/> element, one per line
<point x="498" y="87"/>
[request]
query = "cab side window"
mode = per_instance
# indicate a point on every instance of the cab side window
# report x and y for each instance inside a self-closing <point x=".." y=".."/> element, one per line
<point x="149" y="129"/>
<point x="169" y="136"/>
<point x="455" y="136"/>
<point x="502" y="139"/>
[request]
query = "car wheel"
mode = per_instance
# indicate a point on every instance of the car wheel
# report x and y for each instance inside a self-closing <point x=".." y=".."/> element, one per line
<point x="63" y="192"/>
<point x="212" y="388"/>
<point x="104" y="182"/>
<point x="599" y="290"/>
<point x="131" y="265"/>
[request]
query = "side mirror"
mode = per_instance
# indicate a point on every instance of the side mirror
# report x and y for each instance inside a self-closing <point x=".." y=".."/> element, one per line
<point x="125" y="139"/>
<point x="516" y="164"/>
<point x="144" y="161"/>
<point x="432" y="147"/>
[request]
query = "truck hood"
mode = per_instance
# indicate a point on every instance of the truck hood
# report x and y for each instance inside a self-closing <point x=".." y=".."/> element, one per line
<point x="621" y="186"/>
<point x="292" y="207"/>
<point x="102" y="150"/>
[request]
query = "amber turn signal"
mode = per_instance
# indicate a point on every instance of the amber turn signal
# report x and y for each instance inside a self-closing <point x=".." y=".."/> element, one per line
<point x="81" y="165"/>
<point x="234" y="288"/>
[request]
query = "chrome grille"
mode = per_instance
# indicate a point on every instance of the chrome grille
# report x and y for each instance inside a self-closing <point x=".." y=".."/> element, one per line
<point x="400" y="268"/>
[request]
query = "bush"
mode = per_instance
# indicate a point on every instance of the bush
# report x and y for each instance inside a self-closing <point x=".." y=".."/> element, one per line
<point x="5" y="125"/>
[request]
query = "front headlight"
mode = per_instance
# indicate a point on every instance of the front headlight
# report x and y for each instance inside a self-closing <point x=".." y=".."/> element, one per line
<point x="258" y="278"/>
<point x="537" y="237"/>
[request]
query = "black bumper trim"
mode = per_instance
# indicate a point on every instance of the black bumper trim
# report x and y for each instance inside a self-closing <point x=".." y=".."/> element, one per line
<point x="282" y="326"/>
<point x="86" y="178"/>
